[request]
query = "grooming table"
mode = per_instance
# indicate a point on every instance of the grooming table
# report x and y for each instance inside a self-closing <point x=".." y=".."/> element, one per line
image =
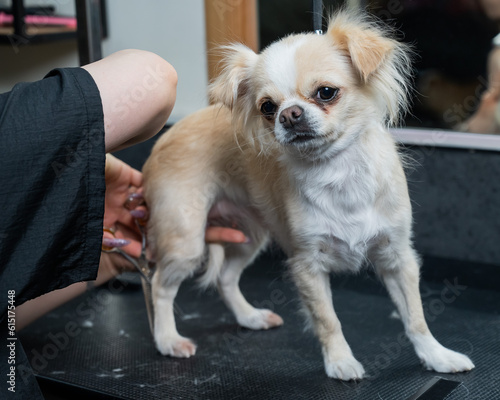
<point x="112" y="355"/>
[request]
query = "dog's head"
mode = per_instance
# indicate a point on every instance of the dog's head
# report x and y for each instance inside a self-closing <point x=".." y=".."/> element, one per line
<point x="314" y="93"/>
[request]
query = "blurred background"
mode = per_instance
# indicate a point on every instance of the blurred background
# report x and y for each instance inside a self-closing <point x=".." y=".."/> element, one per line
<point x="455" y="62"/>
<point x="173" y="29"/>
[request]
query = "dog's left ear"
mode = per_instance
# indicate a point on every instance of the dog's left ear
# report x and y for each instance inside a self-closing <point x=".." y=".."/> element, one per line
<point x="382" y="63"/>
<point x="231" y="85"/>
<point x="362" y="40"/>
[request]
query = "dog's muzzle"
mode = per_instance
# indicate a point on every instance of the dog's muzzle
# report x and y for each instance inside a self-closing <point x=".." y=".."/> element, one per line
<point x="295" y="123"/>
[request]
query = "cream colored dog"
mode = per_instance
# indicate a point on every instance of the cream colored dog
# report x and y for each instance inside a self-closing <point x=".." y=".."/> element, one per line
<point x="297" y="150"/>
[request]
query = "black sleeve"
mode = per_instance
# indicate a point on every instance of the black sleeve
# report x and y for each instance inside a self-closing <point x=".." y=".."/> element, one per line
<point x="51" y="183"/>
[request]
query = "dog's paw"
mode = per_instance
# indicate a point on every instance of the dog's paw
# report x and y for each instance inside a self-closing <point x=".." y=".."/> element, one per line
<point x="177" y="346"/>
<point x="446" y="361"/>
<point x="435" y="356"/>
<point x="346" y="369"/>
<point x="260" y="319"/>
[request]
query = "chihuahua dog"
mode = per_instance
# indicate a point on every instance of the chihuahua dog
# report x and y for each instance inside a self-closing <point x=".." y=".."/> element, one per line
<point x="296" y="150"/>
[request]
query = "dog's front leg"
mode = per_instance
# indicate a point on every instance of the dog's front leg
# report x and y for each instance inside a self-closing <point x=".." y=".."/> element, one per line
<point x="314" y="289"/>
<point x="400" y="273"/>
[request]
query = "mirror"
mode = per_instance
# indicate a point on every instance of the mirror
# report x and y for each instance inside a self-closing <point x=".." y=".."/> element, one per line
<point x="453" y="43"/>
<point x="456" y="101"/>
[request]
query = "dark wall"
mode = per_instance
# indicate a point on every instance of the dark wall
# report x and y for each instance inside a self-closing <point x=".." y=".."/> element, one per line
<point x="456" y="203"/>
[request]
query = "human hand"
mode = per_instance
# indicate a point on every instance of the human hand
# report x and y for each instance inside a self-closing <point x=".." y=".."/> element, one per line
<point x="216" y="234"/>
<point x="124" y="204"/>
<point x="123" y="196"/>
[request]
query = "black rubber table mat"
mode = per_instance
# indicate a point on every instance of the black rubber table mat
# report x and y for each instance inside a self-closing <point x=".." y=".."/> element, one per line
<point x="101" y="342"/>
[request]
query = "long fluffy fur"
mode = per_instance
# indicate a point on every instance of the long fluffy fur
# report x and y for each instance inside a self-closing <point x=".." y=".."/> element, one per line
<point x="390" y="82"/>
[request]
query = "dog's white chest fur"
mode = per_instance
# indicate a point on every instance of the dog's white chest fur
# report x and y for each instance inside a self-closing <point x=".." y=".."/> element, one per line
<point x="339" y="217"/>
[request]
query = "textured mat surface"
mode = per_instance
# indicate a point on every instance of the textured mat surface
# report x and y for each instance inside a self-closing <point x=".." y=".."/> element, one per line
<point x="101" y="342"/>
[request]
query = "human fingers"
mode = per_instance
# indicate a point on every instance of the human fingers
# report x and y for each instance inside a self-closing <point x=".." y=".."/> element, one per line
<point x="133" y="249"/>
<point x="141" y="214"/>
<point x="113" y="168"/>
<point x="134" y="200"/>
<point x="119" y="172"/>
<point x="124" y="238"/>
<point x="135" y="177"/>
<point x="110" y="242"/>
<point x="221" y="234"/>
<point x="131" y="219"/>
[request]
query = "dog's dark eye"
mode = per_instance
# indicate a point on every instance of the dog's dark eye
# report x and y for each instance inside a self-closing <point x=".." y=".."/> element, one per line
<point x="326" y="93"/>
<point x="268" y="108"/>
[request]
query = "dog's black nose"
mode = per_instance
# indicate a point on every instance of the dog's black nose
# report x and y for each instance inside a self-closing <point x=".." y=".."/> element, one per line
<point x="291" y="116"/>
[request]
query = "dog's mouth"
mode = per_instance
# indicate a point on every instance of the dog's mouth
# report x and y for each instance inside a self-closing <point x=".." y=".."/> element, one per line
<point x="301" y="138"/>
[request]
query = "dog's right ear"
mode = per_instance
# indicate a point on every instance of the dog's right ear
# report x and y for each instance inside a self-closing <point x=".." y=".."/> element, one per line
<point x="231" y="86"/>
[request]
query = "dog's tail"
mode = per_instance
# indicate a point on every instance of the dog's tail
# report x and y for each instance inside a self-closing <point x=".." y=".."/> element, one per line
<point x="213" y="265"/>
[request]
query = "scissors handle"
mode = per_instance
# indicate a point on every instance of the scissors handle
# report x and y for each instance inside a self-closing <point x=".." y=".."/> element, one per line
<point x="142" y="264"/>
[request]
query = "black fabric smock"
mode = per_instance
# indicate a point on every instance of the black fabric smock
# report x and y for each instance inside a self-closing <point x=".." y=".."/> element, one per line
<point x="52" y="158"/>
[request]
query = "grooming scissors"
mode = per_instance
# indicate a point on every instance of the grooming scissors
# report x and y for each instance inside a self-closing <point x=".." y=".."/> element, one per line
<point x="145" y="267"/>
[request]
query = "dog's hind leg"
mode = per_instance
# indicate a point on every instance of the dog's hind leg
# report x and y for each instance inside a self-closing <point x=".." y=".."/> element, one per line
<point x="400" y="273"/>
<point x="238" y="257"/>
<point x="168" y="340"/>
<point x="172" y="270"/>
<point x="177" y="237"/>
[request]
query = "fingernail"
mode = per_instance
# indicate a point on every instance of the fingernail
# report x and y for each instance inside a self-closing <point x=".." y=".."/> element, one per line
<point x="114" y="242"/>
<point x="135" y="195"/>
<point x="247" y="240"/>
<point x="139" y="214"/>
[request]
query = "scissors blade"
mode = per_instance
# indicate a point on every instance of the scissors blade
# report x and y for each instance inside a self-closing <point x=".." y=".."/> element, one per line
<point x="147" y="269"/>
<point x="148" y="299"/>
